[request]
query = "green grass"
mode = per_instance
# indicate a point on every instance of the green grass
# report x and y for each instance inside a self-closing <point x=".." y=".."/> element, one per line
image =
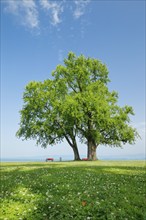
<point x="112" y="190"/>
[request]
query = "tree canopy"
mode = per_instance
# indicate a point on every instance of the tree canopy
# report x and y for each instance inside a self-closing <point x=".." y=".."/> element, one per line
<point x="76" y="103"/>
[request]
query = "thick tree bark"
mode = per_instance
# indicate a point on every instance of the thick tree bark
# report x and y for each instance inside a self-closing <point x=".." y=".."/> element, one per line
<point x="76" y="152"/>
<point x="74" y="146"/>
<point x="91" y="154"/>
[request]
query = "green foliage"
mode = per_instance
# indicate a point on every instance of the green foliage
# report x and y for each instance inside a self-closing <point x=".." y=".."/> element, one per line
<point x="73" y="190"/>
<point x="94" y="107"/>
<point x="77" y="102"/>
<point x="42" y="117"/>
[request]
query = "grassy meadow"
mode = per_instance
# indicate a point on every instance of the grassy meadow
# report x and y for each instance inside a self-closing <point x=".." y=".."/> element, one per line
<point x="84" y="190"/>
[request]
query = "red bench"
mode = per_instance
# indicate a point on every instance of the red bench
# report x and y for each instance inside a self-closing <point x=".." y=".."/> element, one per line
<point x="49" y="159"/>
<point x="84" y="158"/>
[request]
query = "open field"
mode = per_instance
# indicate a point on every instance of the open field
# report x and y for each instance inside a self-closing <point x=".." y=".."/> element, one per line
<point x="73" y="190"/>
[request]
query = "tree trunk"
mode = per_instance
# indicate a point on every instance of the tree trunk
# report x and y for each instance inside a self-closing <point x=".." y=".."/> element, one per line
<point x="74" y="146"/>
<point x="91" y="154"/>
<point x="76" y="152"/>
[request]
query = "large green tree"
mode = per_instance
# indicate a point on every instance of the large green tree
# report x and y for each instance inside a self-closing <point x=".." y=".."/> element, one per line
<point x="99" y="119"/>
<point x="76" y="103"/>
<point x="43" y="116"/>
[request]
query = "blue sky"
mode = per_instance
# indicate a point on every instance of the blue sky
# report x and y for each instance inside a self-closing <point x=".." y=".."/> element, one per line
<point x="37" y="35"/>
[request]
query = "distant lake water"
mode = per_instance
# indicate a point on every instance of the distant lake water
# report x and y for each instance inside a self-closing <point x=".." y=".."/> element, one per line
<point x="70" y="157"/>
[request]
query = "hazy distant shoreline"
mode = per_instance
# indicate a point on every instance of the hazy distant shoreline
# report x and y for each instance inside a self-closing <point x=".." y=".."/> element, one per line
<point x="69" y="158"/>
